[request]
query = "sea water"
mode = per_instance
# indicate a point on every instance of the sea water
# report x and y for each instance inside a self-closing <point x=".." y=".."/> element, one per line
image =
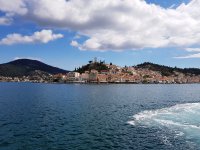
<point x="181" y="120"/>
<point x="102" y="117"/>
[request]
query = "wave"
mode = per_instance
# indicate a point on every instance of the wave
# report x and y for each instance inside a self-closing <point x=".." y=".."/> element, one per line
<point x="183" y="119"/>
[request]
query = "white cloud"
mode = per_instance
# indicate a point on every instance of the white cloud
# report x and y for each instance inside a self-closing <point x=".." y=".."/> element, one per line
<point x="13" y="7"/>
<point x="189" y="56"/>
<point x="32" y="58"/>
<point x="115" y="24"/>
<point x="43" y="36"/>
<point x="5" y="21"/>
<point x="74" y="43"/>
<point x="193" y="49"/>
<point x="77" y="37"/>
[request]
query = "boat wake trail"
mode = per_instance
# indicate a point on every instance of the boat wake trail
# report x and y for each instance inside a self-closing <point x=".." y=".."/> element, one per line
<point x="183" y="119"/>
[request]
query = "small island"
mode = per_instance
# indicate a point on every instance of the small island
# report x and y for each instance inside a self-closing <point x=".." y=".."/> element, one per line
<point x="25" y="70"/>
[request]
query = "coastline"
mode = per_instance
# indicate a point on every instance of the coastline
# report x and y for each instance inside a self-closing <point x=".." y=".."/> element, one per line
<point x="98" y="83"/>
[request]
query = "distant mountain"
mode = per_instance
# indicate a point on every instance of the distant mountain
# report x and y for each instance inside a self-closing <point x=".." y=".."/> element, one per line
<point x="25" y="67"/>
<point x="167" y="71"/>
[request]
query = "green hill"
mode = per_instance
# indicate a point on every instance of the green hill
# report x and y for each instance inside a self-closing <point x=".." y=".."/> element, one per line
<point x="92" y="65"/>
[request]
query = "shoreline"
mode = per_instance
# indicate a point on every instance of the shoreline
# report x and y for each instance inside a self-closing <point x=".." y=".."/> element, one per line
<point x="98" y="83"/>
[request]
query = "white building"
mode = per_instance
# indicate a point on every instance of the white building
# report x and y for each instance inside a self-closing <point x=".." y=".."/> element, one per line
<point x="73" y="75"/>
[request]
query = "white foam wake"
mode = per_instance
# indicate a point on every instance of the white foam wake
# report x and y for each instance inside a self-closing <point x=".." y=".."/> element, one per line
<point x="184" y="118"/>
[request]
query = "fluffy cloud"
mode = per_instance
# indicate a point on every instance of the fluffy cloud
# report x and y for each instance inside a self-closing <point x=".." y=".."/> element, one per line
<point x="74" y="43"/>
<point x="13" y="7"/>
<point x="189" y="56"/>
<point x="43" y="36"/>
<point x="5" y="21"/>
<point x="115" y="24"/>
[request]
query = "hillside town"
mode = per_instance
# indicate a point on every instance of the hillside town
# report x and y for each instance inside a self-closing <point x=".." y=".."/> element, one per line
<point x="101" y="72"/>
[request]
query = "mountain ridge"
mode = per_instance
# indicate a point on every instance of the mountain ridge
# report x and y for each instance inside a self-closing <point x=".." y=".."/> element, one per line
<point x="167" y="70"/>
<point x="25" y="67"/>
<point x="28" y="67"/>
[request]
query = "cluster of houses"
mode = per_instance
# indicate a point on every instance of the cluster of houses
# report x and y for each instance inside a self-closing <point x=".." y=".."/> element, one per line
<point x="34" y="79"/>
<point x="37" y="77"/>
<point x="116" y="74"/>
<point x="113" y="74"/>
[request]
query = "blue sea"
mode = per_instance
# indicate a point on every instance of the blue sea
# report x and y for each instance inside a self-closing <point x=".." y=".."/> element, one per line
<point x="99" y="117"/>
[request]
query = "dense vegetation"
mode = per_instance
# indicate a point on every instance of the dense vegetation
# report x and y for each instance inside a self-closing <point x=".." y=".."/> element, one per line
<point x="167" y="71"/>
<point x="25" y="67"/>
<point x="96" y="65"/>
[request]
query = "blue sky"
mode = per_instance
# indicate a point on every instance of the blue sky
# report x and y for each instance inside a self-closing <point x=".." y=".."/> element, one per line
<point x="59" y="50"/>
